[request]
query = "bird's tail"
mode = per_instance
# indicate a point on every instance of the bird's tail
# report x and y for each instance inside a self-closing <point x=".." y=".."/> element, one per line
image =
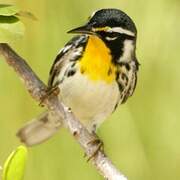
<point x="39" y="129"/>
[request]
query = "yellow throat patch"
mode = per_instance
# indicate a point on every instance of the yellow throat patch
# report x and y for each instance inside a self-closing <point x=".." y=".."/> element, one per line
<point x="96" y="62"/>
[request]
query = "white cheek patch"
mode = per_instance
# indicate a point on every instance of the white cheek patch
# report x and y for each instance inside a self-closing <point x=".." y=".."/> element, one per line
<point x="127" y="51"/>
<point x="122" y="31"/>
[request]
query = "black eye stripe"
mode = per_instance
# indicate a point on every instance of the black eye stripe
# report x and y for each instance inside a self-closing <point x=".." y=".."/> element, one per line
<point x="112" y="34"/>
<point x="109" y="34"/>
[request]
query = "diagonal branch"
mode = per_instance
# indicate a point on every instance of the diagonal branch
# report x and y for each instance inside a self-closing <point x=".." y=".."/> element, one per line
<point x="37" y="89"/>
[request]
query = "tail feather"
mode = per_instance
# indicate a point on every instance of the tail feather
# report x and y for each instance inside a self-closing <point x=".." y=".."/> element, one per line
<point x="39" y="129"/>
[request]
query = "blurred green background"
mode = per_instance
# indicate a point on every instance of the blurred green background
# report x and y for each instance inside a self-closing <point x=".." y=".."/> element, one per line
<point x="143" y="136"/>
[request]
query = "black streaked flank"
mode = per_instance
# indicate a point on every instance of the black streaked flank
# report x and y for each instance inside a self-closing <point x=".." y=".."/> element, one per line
<point x="73" y="64"/>
<point x="121" y="87"/>
<point x="125" y="78"/>
<point x="71" y="72"/>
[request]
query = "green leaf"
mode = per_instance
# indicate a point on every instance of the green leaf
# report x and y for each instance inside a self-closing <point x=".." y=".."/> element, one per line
<point x="11" y="28"/>
<point x="14" y="166"/>
<point x="8" y="10"/>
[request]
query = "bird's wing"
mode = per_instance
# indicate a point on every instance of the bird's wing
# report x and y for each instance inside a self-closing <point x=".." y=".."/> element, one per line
<point x="72" y="51"/>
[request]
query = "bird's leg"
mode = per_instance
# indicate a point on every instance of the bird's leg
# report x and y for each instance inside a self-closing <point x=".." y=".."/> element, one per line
<point x="100" y="146"/>
<point x="49" y="91"/>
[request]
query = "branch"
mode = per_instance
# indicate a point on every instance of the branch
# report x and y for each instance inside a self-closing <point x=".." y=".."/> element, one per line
<point x="37" y="89"/>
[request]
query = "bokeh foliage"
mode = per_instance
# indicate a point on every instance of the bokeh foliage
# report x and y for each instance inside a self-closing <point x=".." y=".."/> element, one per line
<point x="11" y="27"/>
<point x="142" y="137"/>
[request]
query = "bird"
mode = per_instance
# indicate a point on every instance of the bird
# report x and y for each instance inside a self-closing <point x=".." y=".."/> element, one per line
<point x="94" y="73"/>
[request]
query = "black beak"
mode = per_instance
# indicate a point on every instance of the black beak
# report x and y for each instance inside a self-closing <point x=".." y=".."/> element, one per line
<point x="83" y="30"/>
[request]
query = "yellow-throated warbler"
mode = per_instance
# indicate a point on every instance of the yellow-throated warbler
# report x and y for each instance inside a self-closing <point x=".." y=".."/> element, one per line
<point x="95" y="72"/>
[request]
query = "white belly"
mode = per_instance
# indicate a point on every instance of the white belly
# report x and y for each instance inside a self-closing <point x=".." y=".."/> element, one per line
<point x="91" y="101"/>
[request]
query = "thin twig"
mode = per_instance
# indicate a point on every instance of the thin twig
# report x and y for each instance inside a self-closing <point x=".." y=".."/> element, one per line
<point x="37" y="89"/>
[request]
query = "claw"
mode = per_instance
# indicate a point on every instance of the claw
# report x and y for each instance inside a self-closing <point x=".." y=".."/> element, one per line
<point x="53" y="90"/>
<point x="100" y="147"/>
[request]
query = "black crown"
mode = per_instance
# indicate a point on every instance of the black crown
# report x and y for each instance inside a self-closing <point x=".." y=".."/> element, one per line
<point x="112" y="18"/>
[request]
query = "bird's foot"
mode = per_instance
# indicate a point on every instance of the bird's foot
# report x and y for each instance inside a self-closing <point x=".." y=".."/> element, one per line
<point x="48" y="92"/>
<point x="99" y="147"/>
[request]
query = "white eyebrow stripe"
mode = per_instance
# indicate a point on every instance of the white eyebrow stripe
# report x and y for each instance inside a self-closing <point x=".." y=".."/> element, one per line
<point x="122" y="31"/>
